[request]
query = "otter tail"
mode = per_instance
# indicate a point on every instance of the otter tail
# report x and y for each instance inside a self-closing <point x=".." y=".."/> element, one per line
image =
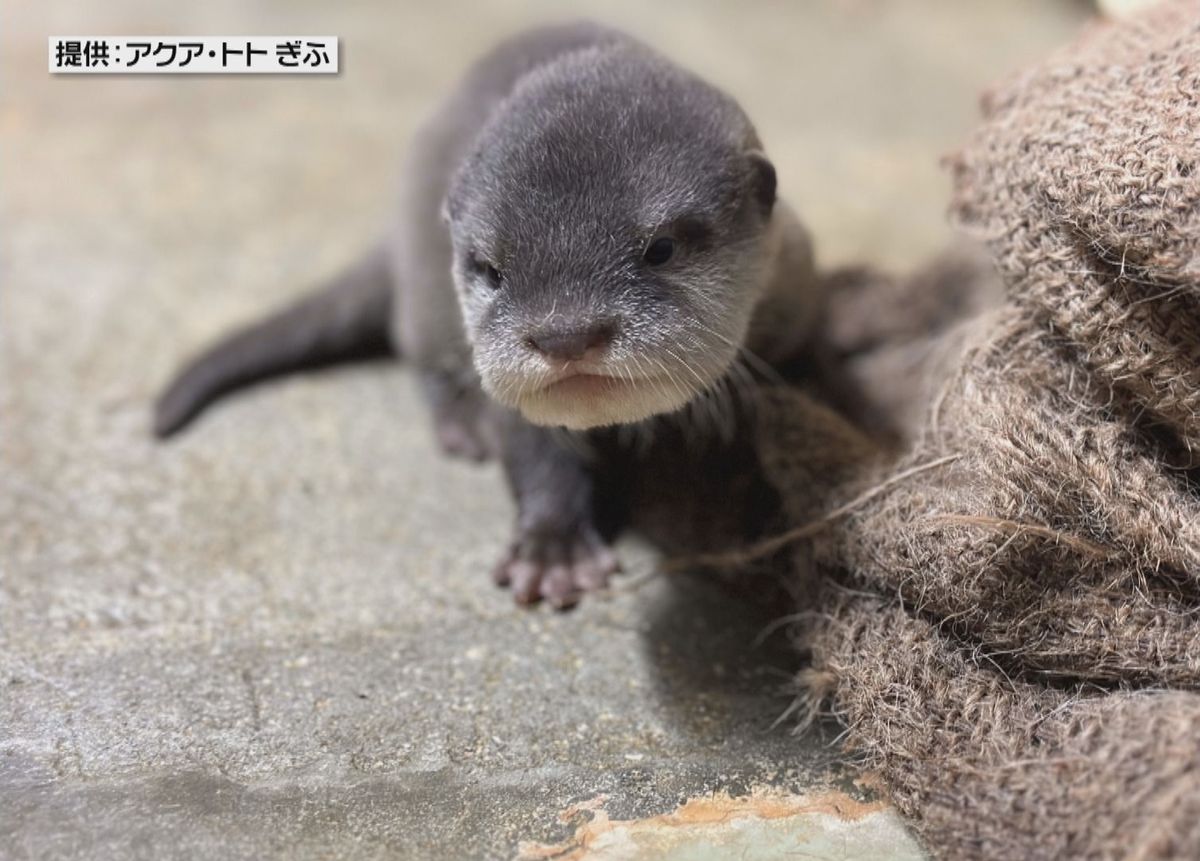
<point x="345" y="319"/>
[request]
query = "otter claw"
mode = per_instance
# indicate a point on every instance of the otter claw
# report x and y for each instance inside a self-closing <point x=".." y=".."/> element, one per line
<point x="556" y="568"/>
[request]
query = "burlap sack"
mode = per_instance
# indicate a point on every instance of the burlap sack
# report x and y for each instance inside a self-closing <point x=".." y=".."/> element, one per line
<point x="1008" y="619"/>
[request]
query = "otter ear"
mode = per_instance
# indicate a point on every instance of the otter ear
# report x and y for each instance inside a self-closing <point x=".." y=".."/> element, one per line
<point x="763" y="179"/>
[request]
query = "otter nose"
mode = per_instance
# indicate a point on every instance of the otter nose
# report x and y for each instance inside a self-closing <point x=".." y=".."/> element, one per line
<point x="570" y="342"/>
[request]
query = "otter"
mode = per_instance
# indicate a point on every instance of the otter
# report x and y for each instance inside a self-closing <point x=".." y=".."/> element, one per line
<point x="588" y="236"/>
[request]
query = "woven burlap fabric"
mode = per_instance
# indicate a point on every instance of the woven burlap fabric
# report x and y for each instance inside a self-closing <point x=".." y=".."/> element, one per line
<point x="1008" y="617"/>
<point x="992" y="766"/>
<point x="1054" y="535"/>
<point x="1085" y="182"/>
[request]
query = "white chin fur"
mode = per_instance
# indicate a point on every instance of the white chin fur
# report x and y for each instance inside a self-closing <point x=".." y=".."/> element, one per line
<point x="580" y="412"/>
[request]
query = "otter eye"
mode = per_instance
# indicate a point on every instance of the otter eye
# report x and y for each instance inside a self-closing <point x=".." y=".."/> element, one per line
<point x="659" y="251"/>
<point x="493" y="276"/>
<point x="488" y="272"/>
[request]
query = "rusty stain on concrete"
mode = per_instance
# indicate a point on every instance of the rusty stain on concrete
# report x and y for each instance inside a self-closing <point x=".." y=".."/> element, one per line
<point x="751" y="826"/>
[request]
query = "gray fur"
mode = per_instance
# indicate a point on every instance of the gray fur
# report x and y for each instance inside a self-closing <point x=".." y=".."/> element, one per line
<point x="588" y="159"/>
<point x="516" y="270"/>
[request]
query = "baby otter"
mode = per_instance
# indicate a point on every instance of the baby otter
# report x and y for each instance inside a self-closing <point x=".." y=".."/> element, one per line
<point x="588" y="236"/>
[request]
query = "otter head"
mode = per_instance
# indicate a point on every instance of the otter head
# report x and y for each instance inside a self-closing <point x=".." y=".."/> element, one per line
<point x="608" y="229"/>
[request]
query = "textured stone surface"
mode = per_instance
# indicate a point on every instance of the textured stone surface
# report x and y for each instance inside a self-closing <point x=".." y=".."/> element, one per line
<point x="276" y="637"/>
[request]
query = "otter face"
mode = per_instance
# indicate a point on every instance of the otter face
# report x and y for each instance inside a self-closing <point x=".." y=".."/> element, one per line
<point x="608" y="234"/>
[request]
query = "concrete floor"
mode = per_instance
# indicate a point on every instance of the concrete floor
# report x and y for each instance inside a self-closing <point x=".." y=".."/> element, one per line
<point x="276" y="637"/>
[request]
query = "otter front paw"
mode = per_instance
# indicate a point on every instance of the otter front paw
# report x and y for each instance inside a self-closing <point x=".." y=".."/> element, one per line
<point x="464" y="431"/>
<point x="559" y="565"/>
<point x="458" y="438"/>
